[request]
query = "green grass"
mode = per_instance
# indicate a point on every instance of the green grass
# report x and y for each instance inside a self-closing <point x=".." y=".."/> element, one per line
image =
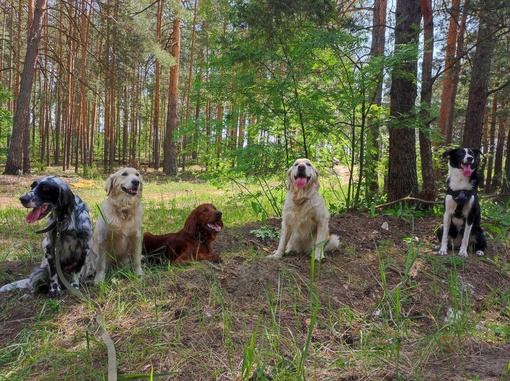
<point x="253" y="318"/>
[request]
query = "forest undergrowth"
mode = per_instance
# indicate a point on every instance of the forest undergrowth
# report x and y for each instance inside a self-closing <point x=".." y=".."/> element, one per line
<point x="384" y="306"/>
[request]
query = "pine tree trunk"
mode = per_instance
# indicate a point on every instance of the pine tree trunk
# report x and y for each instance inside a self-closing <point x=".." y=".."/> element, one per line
<point x="492" y="139"/>
<point x="498" y="160"/>
<point x="170" y="152"/>
<point x="427" y="169"/>
<point x="402" y="176"/>
<point x="376" y="50"/>
<point x="443" y="122"/>
<point x="479" y="84"/>
<point x="19" y="149"/>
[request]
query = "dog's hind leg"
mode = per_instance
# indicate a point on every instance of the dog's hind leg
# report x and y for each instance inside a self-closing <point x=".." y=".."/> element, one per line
<point x="479" y="241"/>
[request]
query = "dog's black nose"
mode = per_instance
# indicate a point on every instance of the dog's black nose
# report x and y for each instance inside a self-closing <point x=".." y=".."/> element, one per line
<point x="218" y="215"/>
<point x="469" y="159"/>
<point x="24" y="200"/>
<point x="135" y="182"/>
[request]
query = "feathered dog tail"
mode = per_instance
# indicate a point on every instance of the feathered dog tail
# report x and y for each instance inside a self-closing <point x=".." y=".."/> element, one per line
<point x="40" y="280"/>
<point x="334" y="242"/>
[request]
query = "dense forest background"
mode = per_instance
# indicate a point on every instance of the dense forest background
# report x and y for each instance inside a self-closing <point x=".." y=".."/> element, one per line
<point x="244" y="87"/>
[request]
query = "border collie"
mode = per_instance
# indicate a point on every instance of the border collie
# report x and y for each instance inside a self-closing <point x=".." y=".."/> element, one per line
<point x="461" y="220"/>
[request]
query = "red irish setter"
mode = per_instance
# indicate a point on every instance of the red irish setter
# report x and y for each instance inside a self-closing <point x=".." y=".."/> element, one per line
<point x="193" y="242"/>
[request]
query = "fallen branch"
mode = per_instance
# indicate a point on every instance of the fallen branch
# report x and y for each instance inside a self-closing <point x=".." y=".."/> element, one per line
<point x="408" y="198"/>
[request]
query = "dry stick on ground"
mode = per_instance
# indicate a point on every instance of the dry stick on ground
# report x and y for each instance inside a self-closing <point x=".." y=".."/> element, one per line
<point x="407" y="198"/>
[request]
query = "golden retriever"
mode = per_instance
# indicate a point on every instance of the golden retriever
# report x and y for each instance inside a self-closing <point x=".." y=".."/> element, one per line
<point x="118" y="231"/>
<point x="305" y="217"/>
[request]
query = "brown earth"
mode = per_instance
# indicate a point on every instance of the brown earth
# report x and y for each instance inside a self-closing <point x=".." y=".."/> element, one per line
<point x="373" y="260"/>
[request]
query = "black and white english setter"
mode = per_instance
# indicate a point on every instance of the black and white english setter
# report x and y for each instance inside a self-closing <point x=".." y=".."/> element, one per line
<point x="68" y="234"/>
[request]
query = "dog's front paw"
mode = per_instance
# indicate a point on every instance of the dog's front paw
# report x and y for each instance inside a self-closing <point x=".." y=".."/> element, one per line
<point x="319" y="256"/>
<point x="463" y="253"/>
<point x="275" y="255"/>
<point x="54" y="290"/>
<point x="480" y="253"/>
<point x="443" y="251"/>
<point x="99" y="278"/>
<point x="54" y="293"/>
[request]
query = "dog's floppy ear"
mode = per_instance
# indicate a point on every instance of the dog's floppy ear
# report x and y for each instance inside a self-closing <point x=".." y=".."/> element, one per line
<point x="108" y="186"/>
<point x="65" y="197"/>
<point x="476" y="151"/>
<point x="191" y="224"/>
<point x="315" y="178"/>
<point x="447" y="153"/>
<point x="140" y="187"/>
<point x="289" y="177"/>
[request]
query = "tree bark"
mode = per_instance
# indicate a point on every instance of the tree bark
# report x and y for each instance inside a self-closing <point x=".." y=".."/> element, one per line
<point x="444" y="123"/>
<point x="19" y="149"/>
<point x="427" y="169"/>
<point x="505" y="186"/>
<point x="376" y="50"/>
<point x="492" y="139"/>
<point x="498" y="160"/>
<point x="170" y="152"/>
<point x="157" y="88"/>
<point x="402" y="175"/>
<point x="479" y="84"/>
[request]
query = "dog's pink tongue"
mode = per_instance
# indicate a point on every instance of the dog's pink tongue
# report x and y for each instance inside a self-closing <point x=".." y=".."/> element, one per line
<point x="467" y="170"/>
<point x="301" y="182"/>
<point x="33" y="216"/>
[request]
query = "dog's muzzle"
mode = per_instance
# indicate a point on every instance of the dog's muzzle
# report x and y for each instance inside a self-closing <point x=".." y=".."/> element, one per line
<point x="214" y="226"/>
<point x="133" y="191"/>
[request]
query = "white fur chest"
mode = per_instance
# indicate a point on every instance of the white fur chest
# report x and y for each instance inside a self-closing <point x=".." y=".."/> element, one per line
<point x="312" y="208"/>
<point x="457" y="180"/>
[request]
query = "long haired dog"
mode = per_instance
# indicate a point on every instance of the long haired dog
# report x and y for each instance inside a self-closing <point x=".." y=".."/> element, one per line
<point x="305" y="216"/>
<point x="118" y="231"/>
<point x="68" y="234"/>
<point x="192" y="242"/>
<point x="461" y="220"/>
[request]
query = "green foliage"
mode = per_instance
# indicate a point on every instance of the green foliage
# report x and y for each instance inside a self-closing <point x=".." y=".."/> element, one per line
<point x="496" y="219"/>
<point x="5" y="122"/>
<point x="304" y="93"/>
<point x="266" y="231"/>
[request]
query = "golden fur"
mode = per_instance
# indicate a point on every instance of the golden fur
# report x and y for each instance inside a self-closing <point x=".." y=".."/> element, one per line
<point x="305" y="217"/>
<point x="118" y="231"/>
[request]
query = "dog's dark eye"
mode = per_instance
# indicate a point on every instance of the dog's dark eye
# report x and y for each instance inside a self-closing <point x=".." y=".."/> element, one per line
<point x="45" y="189"/>
<point x="124" y="174"/>
<point x="309" y="164"/>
